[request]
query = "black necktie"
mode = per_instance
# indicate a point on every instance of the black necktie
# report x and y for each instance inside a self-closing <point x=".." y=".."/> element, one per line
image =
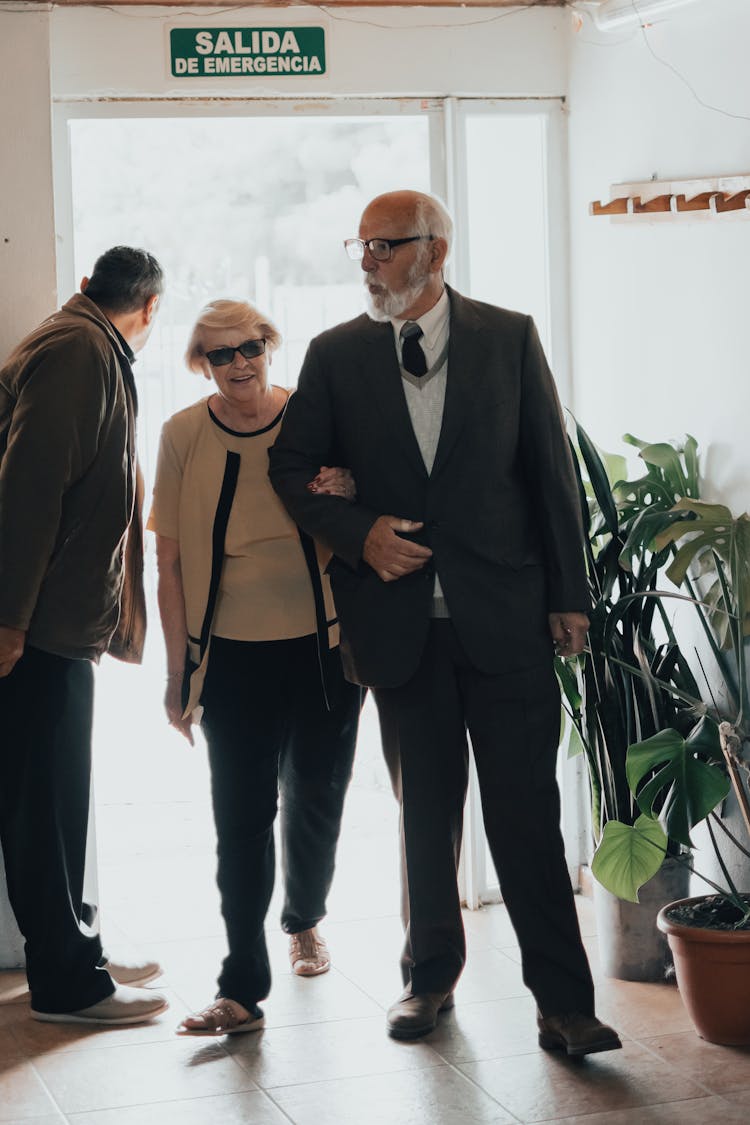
<point x="412" y="356"/>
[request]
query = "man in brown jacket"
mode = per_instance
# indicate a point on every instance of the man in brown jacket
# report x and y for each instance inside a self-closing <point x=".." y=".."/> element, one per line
<point x="70" y="589"/>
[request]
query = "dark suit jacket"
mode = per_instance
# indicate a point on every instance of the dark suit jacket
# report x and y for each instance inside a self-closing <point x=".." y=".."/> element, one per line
<point x="500" y="508"/>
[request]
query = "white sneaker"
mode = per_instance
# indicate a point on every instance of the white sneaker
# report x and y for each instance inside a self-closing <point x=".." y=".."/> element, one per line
<point x="124" y="1006"/>
<point x="133" y="973"/>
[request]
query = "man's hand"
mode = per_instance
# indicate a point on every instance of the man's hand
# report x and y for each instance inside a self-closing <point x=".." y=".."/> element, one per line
<point x="334" y="482"/>
<point x="568" y="632"/>
<point x="12" y="643"/>
<point x="389" y="555"/>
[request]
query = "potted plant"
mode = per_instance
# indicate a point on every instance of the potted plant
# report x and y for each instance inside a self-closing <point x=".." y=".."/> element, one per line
<point x="679" y="780"/>
<point x="608" y="707"/>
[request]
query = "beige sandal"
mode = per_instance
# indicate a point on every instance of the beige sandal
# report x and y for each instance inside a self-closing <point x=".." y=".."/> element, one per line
<point x="225" y="1017"/>
<point x="308" y="953"/>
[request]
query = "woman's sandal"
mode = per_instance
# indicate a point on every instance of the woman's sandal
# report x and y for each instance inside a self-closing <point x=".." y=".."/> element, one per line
<point x="224" y="1017"/>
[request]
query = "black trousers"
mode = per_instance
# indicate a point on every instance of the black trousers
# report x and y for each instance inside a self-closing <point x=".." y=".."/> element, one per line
<point x="46" y="707"/>
<point x="269" y="734"/>
<point x="514" y="722"/>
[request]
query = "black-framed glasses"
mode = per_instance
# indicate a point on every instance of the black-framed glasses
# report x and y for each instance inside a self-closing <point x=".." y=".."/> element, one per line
<point x="220" y="357"/>
<point x="381" y="249"/>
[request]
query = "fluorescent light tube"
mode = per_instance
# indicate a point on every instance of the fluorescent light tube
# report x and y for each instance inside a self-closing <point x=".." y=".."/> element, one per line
<point x="609" y="15"/>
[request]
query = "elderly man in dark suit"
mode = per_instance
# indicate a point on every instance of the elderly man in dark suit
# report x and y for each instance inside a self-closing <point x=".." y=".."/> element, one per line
<point x="455" y="574"/>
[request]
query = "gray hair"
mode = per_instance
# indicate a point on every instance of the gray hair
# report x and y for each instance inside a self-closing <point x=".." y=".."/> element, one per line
<point x="124" y="279"/>
<point x="228" y="314"/>
<point x="432" y="217"/>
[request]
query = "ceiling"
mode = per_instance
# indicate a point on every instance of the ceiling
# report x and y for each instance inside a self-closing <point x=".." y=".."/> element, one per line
<point x="324" y="4"/>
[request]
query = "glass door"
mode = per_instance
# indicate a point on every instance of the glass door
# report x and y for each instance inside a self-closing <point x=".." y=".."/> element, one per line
<point x="252" y="199"/>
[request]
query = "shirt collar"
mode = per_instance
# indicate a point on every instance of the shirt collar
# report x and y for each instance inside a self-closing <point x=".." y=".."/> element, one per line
<point x="432" y="323"/>
<point x="129" y="353"/>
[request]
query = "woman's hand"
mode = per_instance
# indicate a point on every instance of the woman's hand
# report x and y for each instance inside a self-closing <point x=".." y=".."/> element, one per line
<point x="173" y="707"/>
<point x="334" y="482"/>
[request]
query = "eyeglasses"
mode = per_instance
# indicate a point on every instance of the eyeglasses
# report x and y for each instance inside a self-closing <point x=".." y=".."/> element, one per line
<point x="381" y="249"/>
<point x="220" y="357"/>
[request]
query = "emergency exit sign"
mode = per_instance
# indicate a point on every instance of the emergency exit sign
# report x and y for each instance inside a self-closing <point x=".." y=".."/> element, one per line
<point x="202" y="52"/>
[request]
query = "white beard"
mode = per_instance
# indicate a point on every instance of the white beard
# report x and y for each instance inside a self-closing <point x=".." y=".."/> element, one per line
<point x="387" y="305"/>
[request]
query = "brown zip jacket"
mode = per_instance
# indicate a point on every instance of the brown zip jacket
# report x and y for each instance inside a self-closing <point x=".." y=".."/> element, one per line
<point x="71" y="554"/>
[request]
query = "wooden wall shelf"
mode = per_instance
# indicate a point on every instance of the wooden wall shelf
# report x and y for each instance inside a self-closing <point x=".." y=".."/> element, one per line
<point x="667" y="199"/>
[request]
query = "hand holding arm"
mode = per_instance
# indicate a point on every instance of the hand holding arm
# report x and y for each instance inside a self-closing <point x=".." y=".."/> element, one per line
<point x="568" y="632"/>
<point x="334" y="482"/>
<point x="12" y="643"/>
<point x="389" y="555"/>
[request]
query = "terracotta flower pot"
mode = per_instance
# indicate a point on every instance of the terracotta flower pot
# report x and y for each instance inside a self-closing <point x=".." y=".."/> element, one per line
<point x="713" y="976"/>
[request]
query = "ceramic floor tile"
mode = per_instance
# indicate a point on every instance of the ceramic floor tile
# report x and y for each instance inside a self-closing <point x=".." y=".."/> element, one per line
<point x="489" y="975"/>
<point x="740" y="1098"/>
<point x="80" y="1081"/>
<point x="489" y="926"/>
<point x="719" y="1069"/>
<point x="299" y="1000"/>
<point x="34" y="1038"/>
<point x="228" y="1109"/>
<point x="486" y="1031"/>
<point x="698" y="1111"/>
<point x="641" y="1010"/>
<point x="57" y="1119"/>
<point x="13" y="986"/>
<point x="438" y="1096"/>
<point x="171" y="912"/>
<point x="22" y="1093"/>
<point x="285" y="1056"/>
<point x="9" y="1048"/>
<point x="366" y="952"/>
<point x="545" y="1086"/>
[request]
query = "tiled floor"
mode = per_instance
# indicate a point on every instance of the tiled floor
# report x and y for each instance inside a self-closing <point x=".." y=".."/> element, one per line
<point x="324" y="1058"/>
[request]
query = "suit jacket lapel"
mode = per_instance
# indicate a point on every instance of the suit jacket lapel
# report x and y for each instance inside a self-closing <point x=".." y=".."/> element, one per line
<point x="382" y="373"/>
<point x="466" y="361"/>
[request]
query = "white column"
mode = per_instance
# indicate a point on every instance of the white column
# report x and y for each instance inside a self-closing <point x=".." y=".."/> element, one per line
<point x="27" y="235"/>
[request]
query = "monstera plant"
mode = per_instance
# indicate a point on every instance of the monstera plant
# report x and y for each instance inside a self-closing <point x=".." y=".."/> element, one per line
<point x="609" y="693"/>
<point x="678" y="778"/>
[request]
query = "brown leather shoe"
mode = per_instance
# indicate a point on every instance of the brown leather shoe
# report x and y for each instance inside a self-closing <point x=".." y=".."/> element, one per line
<point x="411" y="1016"/>
<point x="576" y="1034"/>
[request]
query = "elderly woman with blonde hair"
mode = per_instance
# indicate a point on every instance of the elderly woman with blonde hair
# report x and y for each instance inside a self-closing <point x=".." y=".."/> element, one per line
<point x="252" y="653"/>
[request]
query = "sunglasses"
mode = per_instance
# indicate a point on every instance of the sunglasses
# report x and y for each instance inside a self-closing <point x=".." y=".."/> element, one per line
<point x="220" y="357"/>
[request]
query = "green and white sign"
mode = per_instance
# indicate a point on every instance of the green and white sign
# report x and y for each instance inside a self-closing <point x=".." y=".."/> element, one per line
<point x="202" y="52"/>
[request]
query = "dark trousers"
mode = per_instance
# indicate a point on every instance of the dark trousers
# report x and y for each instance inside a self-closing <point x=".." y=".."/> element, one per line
<point x="46" y="706"/>
<point x="269" y="734"/>
<point x="514" y="721"/>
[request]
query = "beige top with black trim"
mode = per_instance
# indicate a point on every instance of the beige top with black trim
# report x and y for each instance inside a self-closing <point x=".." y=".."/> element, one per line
<point x="265" y="592"/>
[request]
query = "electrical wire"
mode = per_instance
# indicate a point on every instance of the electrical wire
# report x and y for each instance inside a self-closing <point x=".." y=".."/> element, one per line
<point x="643" y="29"/>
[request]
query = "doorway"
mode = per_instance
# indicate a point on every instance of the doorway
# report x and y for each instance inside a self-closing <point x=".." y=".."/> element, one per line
<point x="252" y="199"/>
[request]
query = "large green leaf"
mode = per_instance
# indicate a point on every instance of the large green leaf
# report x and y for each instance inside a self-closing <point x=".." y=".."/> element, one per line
<point x="667" y="458"/>
<point x="684" y="787"/>
<point x="597" y="475"/>
<point x="713" y="530"/>
<point x="628" y="856"/>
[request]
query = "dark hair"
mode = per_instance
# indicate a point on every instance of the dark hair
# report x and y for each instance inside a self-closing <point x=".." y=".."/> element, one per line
<point x="124" y="279"/>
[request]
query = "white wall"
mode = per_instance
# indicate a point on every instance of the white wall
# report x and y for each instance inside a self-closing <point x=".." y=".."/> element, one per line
<point x="661" y="331"/>
<point x="376" y="51"/>
<point x="27" y="237"/>
<point x="27" y="240"/>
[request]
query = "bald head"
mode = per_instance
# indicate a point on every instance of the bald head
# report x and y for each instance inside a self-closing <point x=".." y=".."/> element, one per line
<point x="410" y="280"/>
<point x="421" y="213"/>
